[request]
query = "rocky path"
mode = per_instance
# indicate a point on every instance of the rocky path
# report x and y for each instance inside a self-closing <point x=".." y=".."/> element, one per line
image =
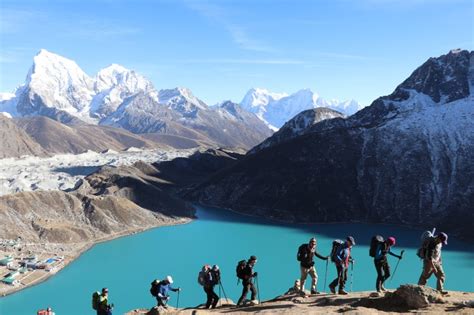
<point x="406" y="299"/>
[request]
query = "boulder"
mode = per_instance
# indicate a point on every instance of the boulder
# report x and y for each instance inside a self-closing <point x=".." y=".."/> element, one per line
<point x="415" y="296"/>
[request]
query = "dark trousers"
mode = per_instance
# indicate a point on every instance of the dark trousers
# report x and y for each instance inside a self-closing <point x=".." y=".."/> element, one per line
<point x="247" y="285"/>
<point x="341" y="277"/>
<point x="212" y="297"/>
<point x="161" y="302"/>
<point x="383" y="272"/>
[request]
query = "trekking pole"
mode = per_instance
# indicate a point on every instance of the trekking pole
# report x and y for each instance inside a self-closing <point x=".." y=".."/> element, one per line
<point x="220" y="294"/>
<point x="326" y="275"/>
<point x="223" y="291"/>
<point x="258" y="289"/>
<point x="393" y="274"/>
<point x="177" y="302"/>
<point x="352" y="274"/>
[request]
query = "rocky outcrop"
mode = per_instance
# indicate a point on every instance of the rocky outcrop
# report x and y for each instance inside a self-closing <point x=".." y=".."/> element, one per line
<point x="406" y="159"/>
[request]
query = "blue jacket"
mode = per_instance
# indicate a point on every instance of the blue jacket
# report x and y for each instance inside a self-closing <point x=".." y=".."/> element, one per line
<point x="164" y="289"/>
<point x="344" y="255"/>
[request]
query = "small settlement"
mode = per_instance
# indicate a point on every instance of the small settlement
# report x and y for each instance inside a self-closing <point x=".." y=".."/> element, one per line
<point x="19" y="267"/>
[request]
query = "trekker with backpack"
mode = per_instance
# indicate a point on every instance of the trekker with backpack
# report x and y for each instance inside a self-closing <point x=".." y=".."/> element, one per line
<point x="100" y="302"/>
<point x="431" y="254"/>
<point x="379" y="248"/>
<point x="160" y="291"/>
<point x="305" y="255"/>
<point x="341" y="256"/>
<point x="208" y="279"/>
<point x="246" y="274"/>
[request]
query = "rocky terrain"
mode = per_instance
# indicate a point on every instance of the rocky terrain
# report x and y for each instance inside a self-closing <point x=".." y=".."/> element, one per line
<point x="16" y="142"/>
<point x="406" y="299"/>
<point x="406" y="159"/>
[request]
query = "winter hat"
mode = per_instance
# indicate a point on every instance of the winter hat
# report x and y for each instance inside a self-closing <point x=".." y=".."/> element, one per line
<point x="169" y="279"/>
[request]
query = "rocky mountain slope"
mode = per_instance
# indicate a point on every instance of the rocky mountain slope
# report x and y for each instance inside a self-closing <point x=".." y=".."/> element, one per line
<point x="15" y="142"/>
<point x="55" y="137"/>
<point x="297" y="126"/>
<point x="407" y="159"/>
<point x="57" y="87"/>
<point x="107" y="203"/>
<point x="275" y="109"/>
<point x="111" y="201"/>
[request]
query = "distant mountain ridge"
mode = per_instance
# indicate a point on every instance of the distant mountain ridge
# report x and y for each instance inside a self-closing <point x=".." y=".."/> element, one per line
<point x="275" y="109"/>
<point x="57" y="87"/>
<point x="408" y="158"/>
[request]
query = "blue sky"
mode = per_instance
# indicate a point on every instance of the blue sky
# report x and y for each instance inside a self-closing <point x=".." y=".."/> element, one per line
<point x="344" y="49"/>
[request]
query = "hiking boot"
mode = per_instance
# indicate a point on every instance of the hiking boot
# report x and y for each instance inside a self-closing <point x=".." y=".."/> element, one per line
<point x="342" y="292"/>
<point x="332" y="289"/>
<point x="315" y="292"/>
<point x="442" y="292"/>
<point x="382" y="288"/>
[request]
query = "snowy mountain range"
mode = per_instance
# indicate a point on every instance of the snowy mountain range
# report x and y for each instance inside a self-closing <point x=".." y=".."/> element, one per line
<point x="57" y="87"/>
<point x="275" y="109"/>
<point x="408" y="158"/>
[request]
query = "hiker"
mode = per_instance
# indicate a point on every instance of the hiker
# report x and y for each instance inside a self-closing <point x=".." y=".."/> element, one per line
<point x="381" y="262"/>
<point x="246" y="275"/>
<point x="432" y="261"/>
<point x="48" y="311"/>
<point x="103" y="307"/>
<point x="164" y="286"/>
<point x="342" y="258"/>
<point x="306" y="253"/>
<point x="208" y="278"/>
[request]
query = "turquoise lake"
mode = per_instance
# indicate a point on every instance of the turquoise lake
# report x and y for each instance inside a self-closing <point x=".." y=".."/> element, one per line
<point x="127" y="265"/>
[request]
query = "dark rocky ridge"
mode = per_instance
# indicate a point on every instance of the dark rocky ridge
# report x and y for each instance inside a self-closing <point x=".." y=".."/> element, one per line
<point x="401" y="160"/>
<point x="297" y="126"/>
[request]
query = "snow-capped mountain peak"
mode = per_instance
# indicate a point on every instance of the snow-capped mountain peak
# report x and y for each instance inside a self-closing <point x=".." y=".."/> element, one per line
<point x="56" y="83"/>
<point x="115" y="74"/>
<point x="275" y="109"/>
<point x="182" y="100"/>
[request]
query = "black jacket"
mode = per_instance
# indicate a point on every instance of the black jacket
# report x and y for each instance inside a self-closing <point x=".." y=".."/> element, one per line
<point x="306" y="256"/>
<point x="247" y="273"/>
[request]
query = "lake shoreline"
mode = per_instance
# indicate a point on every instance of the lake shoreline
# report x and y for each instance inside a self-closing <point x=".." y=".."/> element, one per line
<point x="86" y="246"/>
<point x="281" y="221"/>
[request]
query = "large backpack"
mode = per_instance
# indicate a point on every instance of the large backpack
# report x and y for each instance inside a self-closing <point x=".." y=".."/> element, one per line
<point x="374" y="242"/>
<point x="336" y="247"/>
<point x="239" y="270"/>
<point x="155" y="287"/>
<point x="202" y="277"/>
<point x="425" y="241"/>
<point x="301" y="253"/>
<point x="216" y="275"/>
<point x="95" y="300"/>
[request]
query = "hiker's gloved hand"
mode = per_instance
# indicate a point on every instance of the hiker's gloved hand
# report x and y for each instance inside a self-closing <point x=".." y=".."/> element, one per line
<point x="255" y="274"/>
<point x="179" y="289"/>
<point x="327" y="258"/>
<point x="400" y="257"/>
